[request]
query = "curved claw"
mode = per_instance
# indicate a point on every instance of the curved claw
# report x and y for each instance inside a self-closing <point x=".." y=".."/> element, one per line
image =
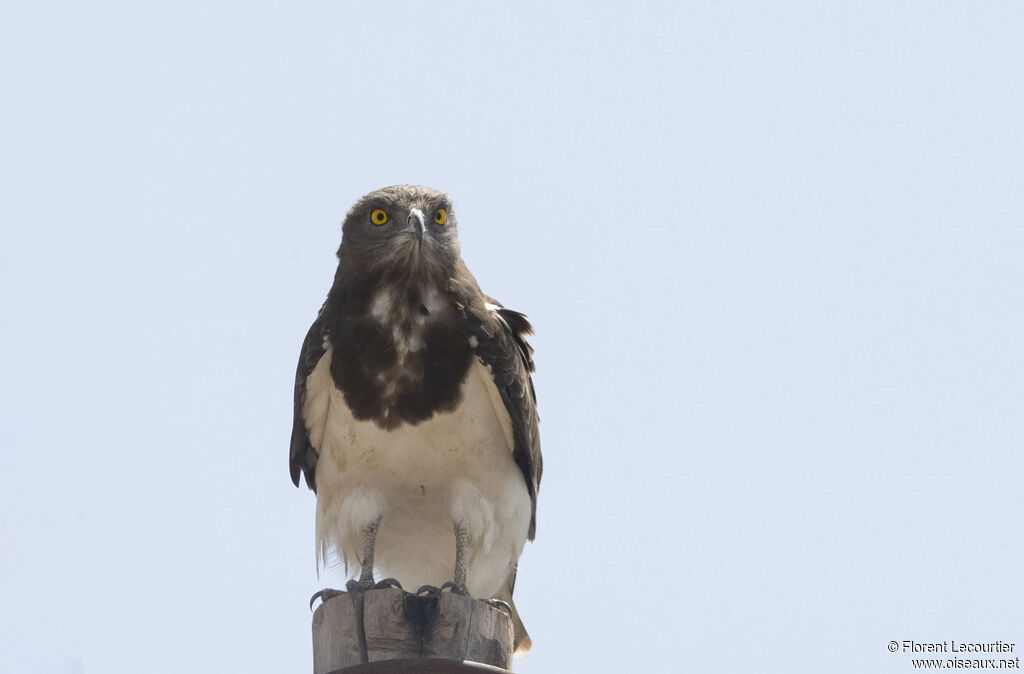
<point x="456" y="588"/>
<point x="388" y="582"/>
<point x="502" y="606"/>
<point x="323" y="595"/>
<point x="427" y="589"/>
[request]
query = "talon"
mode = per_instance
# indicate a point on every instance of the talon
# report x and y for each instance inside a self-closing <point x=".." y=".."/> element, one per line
<point x="323" y="595"/>
<point x="427" y="590"/>
<point x="388" y="582"/>
<point x="502" y="606"/>
<point x="456" y="588"/>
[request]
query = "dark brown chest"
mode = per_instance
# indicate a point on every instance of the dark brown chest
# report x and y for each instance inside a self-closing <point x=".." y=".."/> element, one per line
<point x="400" y="357"/>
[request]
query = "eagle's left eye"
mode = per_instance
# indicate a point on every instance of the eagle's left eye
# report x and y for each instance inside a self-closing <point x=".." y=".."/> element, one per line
<point x="440" y="217"/>
<point x="378" y="217"/>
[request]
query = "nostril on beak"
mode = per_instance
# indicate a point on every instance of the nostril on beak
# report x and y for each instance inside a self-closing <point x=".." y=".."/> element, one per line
<point x="416" y="221"/>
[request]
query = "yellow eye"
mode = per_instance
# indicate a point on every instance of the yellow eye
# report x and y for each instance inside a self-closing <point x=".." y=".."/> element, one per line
<point x="378" y="217"/>
<point x="440" y="217"/>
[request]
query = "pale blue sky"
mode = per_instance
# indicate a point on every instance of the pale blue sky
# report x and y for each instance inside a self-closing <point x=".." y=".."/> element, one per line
<point x="773" y="253"/>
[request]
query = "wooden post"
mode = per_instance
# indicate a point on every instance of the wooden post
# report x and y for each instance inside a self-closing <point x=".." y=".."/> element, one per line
<point x="388" y="630"/>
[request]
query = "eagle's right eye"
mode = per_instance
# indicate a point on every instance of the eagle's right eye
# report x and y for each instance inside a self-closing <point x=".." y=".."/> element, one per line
<point x="378" y="217"/>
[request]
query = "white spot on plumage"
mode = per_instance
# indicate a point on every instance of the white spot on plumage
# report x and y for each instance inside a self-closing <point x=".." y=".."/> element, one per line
<point x="401" y="345"/>
<point x="380" y="306"/>
<point x="432" y="300"/>
<point x="494" y="308"/>
<point x="473" y="341"/>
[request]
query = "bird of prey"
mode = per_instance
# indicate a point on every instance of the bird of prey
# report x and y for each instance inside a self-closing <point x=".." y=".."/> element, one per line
<point x="415" y="415"/>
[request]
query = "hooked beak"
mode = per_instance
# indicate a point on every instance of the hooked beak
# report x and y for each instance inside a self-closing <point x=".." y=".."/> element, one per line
<point x="416" y="222"/>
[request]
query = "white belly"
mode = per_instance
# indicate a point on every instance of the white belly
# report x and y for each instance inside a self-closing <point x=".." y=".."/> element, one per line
<point x="418" y="480"/>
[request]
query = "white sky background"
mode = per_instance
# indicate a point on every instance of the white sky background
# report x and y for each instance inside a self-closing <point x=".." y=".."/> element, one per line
<point x="774" y="253"/>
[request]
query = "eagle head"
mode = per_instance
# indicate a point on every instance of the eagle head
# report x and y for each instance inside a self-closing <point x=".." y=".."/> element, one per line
<point x="402" y="232"/>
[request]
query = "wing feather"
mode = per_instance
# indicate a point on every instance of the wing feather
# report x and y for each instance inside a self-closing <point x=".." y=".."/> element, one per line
<point x="302" y="456"/>
<point x="500" y="343"/>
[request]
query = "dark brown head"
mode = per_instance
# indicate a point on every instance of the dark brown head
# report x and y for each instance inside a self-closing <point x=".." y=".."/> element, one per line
<point x="402" y="230"/>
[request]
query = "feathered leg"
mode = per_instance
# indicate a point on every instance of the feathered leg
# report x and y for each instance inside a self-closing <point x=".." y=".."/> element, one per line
<point x="369" y="544"/>
<point x="458" y="584"/>
<point x="461" y="543"/>
<point x="365" y="581"/>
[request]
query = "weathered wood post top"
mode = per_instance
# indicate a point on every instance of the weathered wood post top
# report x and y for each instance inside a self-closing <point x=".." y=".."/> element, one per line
<point x="389" y="630"/>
